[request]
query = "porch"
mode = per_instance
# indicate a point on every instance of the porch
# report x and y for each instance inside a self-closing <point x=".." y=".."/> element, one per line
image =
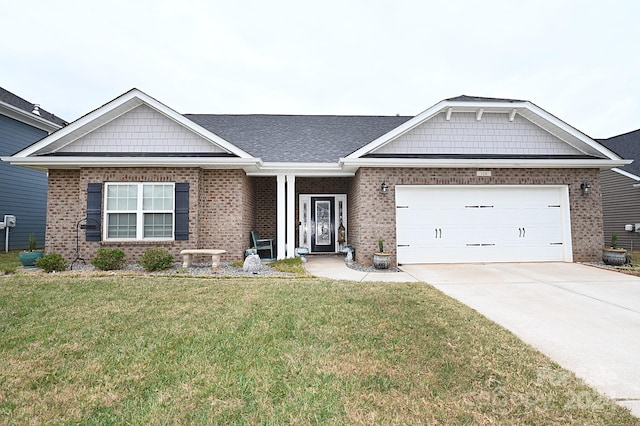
<point x="300" y="211"/>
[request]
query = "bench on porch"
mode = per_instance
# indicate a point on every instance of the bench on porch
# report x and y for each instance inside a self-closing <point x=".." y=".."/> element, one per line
<point x="187" y="256"/>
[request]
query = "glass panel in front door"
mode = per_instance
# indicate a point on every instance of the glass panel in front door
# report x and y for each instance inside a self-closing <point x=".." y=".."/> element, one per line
<point x="323" y="223"/>
<point x="323" y="227"/>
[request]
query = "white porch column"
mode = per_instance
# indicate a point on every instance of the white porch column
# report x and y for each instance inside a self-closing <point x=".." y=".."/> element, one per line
<point x="291" y="215"/>
<point x="281" y="220"/>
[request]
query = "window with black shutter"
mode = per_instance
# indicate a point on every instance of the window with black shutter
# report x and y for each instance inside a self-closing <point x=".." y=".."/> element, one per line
<point x="139" y="211"/>
<point x="182" y="211"/>
<point x="94" y="212"/>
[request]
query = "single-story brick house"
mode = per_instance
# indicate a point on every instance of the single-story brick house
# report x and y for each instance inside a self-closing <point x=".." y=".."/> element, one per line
<point x="468" y="180"/>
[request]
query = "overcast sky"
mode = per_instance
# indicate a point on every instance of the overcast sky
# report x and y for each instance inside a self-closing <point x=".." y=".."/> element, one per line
<point x="577" y="59"/>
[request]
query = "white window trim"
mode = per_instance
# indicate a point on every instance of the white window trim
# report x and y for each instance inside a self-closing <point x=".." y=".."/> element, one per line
<point x="139" y="213"/>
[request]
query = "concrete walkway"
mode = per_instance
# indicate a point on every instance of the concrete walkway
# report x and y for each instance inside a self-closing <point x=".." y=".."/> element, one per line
<point x="584" y="318"/>
<point x="334" y="267"/>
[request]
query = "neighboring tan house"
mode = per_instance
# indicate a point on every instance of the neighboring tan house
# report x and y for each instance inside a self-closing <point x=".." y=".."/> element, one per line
<point x="468" y="180"/>
<point x="23" y="192"/>
<point x="621" y="192"/>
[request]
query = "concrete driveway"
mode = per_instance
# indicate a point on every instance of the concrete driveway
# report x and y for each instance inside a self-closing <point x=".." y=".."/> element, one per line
<point x="584" y="318"/>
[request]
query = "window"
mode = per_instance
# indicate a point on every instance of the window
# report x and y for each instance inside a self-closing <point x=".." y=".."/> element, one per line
<point x="139" y="211"/>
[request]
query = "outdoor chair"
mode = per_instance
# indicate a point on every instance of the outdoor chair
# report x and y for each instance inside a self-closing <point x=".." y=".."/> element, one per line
<point x="263" y="243"/>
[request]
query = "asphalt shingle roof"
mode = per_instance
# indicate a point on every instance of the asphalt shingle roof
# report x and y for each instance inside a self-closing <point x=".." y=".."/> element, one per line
<point x="298" y="138"/>
<point x="626" y="146"/>
<point x="16" y="101"/>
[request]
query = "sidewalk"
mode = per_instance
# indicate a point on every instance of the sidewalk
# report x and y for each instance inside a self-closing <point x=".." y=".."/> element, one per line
<point x="335" y="268"/>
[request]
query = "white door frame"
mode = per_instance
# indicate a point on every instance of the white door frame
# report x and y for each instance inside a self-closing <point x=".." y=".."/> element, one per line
<point x="304" y="214"/>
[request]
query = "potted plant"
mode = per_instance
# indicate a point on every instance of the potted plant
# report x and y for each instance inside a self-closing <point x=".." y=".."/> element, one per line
<point x="613" y="255"/>
<point x="28" y="258"/>
<point x="381" y="259"/>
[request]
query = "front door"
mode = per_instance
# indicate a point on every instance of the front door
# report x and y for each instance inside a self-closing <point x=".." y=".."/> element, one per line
<point x="323" y="224"/>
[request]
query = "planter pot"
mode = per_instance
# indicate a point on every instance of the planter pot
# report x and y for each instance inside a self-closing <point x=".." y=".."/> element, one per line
<point x="382" y="260"/>
<point x="28" y="258"/>
<point x="302" y="252"/>
<point x="614" y="257"/>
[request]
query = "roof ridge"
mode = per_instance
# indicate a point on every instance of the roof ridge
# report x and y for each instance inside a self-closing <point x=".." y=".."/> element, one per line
<point x="468" y="98"/>
<point x="28" y="107"/>
<point x="295" y="115"/>
<point x="621" y="135"/>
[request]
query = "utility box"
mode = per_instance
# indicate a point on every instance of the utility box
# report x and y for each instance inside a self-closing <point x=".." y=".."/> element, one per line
<point x="9" y="220"/>
<point x="637" y="227"/>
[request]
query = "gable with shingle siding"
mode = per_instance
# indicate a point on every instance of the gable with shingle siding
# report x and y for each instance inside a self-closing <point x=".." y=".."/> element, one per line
<point x="463" y="133"/>
<point x="141" y="130"/>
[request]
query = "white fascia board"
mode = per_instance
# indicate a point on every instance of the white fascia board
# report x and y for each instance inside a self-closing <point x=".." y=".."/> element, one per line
<point x="44" y="163"/>
<point x="303" y="170"/>
<point x="28" y="118"/>
<point x="398" y="131"/>
<point x="480" y="163"/>
<point x="81" y="122"/>
<point x="196" y="128"/>
<point x="440" y="107"/>
<point x="626" y="174"/>
<point x="488" y="107"/>
<point x="555" y="121"/>
<point x="126" y="102"/>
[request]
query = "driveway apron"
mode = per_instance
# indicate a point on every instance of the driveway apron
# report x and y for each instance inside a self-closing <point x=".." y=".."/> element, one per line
<point x="584" y="318"/>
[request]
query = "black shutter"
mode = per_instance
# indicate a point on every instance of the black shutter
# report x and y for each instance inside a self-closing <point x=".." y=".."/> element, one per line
<point x="182" y="211"/>
<point x="94" y="212"/>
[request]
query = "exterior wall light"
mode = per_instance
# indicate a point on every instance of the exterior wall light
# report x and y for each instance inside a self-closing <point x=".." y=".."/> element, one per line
<point x="384" y="188"/>
<point x="585" y="187"/>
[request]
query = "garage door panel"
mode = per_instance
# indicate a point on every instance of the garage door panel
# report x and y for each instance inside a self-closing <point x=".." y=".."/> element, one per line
<point x="473" y="254"/>
<point x="481" y="224"/>
<point x="409" y="217"/>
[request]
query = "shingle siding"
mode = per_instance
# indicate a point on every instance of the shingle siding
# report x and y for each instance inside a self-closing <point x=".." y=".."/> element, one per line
<point x="23" y="192"/>
<point x="463" y="134"/>
<point x="621" y="206"/>
<point x="142" y="130"/>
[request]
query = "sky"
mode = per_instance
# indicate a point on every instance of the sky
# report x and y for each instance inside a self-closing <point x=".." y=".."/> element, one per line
<point x="577" y="59"/>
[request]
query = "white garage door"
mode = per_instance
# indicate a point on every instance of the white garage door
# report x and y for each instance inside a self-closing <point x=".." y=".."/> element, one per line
<point x="451" y="224"/>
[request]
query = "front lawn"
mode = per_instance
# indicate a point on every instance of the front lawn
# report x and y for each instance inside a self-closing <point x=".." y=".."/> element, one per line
<point x="9" y="262"/>
<point x="174" y="350"/>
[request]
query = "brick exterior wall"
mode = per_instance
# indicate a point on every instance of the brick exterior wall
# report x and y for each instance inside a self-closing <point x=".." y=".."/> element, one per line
<point x="266" y="212"/>
<point x="226" y="216"/>
<point x="250" y="209"/>
<point x="63" y="212"/>
<point x="372" y="215"/>
<point x="225" y="205"/>
<point x="221" y="211"/>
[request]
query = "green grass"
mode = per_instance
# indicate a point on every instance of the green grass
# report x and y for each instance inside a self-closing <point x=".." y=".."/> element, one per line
<point x="9" y="262"/>
<point x="167" y="350"/>
<point x="293" y="265"/>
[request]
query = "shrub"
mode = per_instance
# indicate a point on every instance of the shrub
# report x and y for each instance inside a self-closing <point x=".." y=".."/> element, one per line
<point x="52" y="262"/>
<point x="33" y="243"/>
<point x="156" y="259"/>
<point x="109" y="259"/>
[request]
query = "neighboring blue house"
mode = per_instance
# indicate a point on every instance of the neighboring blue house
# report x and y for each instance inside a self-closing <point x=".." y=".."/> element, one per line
<point x="621" y="192"/>
<point x="23" y="192"/>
